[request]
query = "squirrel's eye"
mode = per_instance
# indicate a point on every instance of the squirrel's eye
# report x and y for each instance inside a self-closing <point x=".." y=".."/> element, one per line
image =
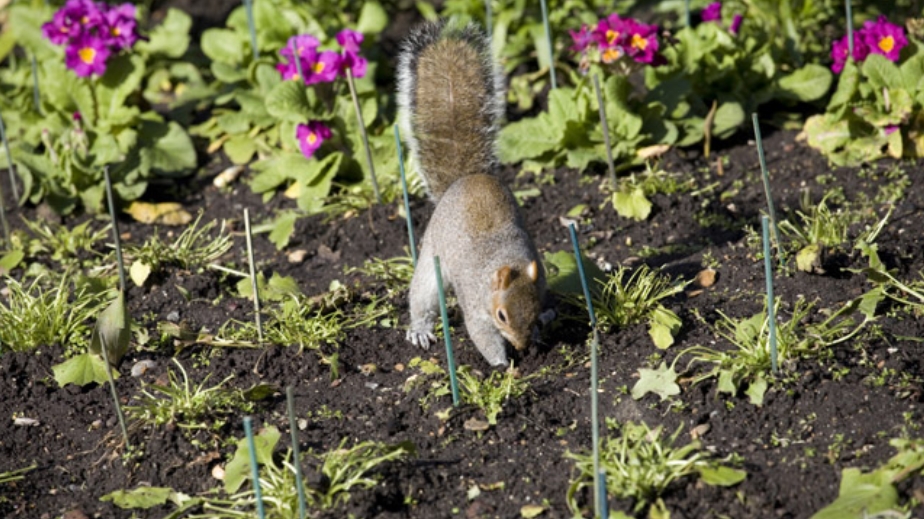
<point x="502" y="316"/>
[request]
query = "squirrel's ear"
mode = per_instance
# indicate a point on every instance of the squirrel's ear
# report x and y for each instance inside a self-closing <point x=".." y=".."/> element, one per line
<point x="533" y="270"/>
<point x="502" y="278"/>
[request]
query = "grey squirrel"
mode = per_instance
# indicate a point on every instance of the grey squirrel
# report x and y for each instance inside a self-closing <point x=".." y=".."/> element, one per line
<point x="450" y="103"/>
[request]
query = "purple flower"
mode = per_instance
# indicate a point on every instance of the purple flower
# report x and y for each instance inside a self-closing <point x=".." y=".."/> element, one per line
<point x="889" y="130"/>
<point x="882" y="37"/>
<point x="86" y="55"/>
<point x="582" y="39"/>
<point x="350" y="58"/>
<point x="712" y="12"/>
<point x="642" y="42"/>
<point x="305" y="45"/>
<point x="119" y="26"/>
<point x="324" y="69"/>
<point x="610" y="32"/>
<point x="840" y="51"/>
<point x="310" y="137"/>
<point x="736" y="24"/>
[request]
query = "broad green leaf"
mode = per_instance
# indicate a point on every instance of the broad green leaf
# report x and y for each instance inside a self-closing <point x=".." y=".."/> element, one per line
<point x="664" y="325"/>
<point x="170" y="38"/>
<point x="11" y="260"/>
<point x="808" y="259"/>
<point x="860" y="495"/>
<point x="846" y="86"/>
<point x="171" y="153"/>
<point x="227" y="72"/>
<point x="881" y="72"/>
<point x="372" y="18"/>
<point x="526" y="139"/>
<point x="756" y="390"/>
<point x="288" y="101"/>
<point x="240" y="149"/>
<point x="721" y="476"/>
<point x="81" y="370"/>
<point x="224" y="46"/>
<point x="632" y="204"/>
<point x="809" y="83"/>
<point x="563" y="275"/>
<point x="123" y="76"/>
<point x="870" y="300"/>
<point x="661" y="381"/>
<point x="112" y="331"/>
<point x="312" y="195"/>
<point x="726" y="382"/>
<point x="141" y="497"/>
<point x="827" y="134"/>
<point x="238" y="469"/>
<point x="913" y="72"/>
<point x="728" y="118"/>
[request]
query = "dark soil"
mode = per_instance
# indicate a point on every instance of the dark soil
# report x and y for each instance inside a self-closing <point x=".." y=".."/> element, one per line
<point x="819" y="417"/>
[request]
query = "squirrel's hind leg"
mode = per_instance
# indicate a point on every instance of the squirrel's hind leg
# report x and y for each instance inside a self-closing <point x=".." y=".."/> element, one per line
<point x="424" y="302"/>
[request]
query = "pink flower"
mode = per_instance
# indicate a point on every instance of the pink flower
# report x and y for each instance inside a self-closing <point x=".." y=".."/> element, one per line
<point x="840" y="51"/>
<point x="310" y="137"/>
<point x="610" y="32"/>
<point x="712" y="12"/>
<point x="350" y="58"/>
<point x="305" y="45"/>
<point x="889" y="130"/>
<point x="882" y="37"/>
<point x="324" y="69"/>
<point x="642" y="41"/>
<point x="736" y="24"/>
<point x="119" y="26"/>
<point x="86" y="55"/>
<point x="582" y="39"/>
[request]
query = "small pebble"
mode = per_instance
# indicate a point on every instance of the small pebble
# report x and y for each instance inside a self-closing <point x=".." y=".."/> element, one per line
<point x="25" y="422"/>
<point x="142" y="366"/>
<point x="173" y="316"/>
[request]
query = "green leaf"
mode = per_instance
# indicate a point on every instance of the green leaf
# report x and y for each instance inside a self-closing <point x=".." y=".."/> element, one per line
<point x="756" y="390"/>
<point x="288" y="101"/>
<point x="827" y="134"/>
<point x="238" y="469"/>
<point x="372" y="18"/>
<point x="170" y="38"/>
<point x="881" y="72"/>
<point x="11" y="260"/>
<point x="123" y="76"/>
<point x="728" y="117"/>
<point x="661" y="381"/>
<point x="721" y="476"/>
<point x="913" y="72"/>
<point x="726" y="383"/>
<point x="860" y="495"/>
<point x="632" y="204"/>
<point x="564" y="277"/>
<point x="313" y="194"/>
<point x="846" y="87"/>
<point x="141" y="497"/>
<point x="224" y="46"/>
<point x="171" y="152"/>
<point x="664" y="325"/>
<point x="112" y="331"/>
<point x="808" y="83"/>
<point x="81" y="370"/>
<point x="526" y="139"/>
<point x="240" y="149"/>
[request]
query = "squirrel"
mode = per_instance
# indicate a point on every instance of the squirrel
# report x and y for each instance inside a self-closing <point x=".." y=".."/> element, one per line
<point x="450" y="99"/>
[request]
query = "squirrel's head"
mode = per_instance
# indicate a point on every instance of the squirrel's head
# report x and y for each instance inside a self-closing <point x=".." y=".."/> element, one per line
<point x="516" y="297"/>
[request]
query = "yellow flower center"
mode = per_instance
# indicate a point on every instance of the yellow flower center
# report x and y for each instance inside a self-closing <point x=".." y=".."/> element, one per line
<point x="87" y="55"/>
<point x="887" y="44"/>
<point x="638" y="42"/>
<point x="610" y="55"/>
<point x="116" y="32"/>
<point x="84" y="19"/>
<point x="312" y="138"/>
<point x="611" y="36"/>
<point x="318" y="67"/>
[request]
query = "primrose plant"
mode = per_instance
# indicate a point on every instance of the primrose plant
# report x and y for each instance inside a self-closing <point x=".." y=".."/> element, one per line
<point x="876" y="110"/>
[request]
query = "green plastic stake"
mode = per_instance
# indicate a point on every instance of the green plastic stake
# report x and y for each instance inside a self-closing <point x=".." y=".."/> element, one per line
<point x="407" y="202"/>
<point x="766" y="176"/>
<point x="362" y="133"/>
<point x="298" y="62"/>
<point x="296" y="456"/>
<point x="606" y="131"/>
<point x="686" y="13"/>
<point x="450" y="359"/>
<point x="9" y="159"/>
<point x="121" y="265"/>
<point x="602" y="506"/>
<point x="489" y="19"/>
<point x="248" y="6"/>
<point x="768" y="273"/>
<point x="36" y="94"/>
<point x="253" y="276"/>
<point x="548" y="39"/>
<point x="254" y="469"/>
<point x="849" y="12"/>
<point x="594" y="384"/>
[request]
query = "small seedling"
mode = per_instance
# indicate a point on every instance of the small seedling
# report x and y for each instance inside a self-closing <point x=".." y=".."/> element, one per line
<point x="62" y="244"/>
<point x="491" y="393"/>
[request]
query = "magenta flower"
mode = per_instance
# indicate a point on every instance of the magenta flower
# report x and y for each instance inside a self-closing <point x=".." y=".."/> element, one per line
<point x="86" y="55"/>
<point x="642" y="41"/>
<point x="324" y="69"/>
<point x="736" y="24"/>
<point x="610" y="32"/>
<point x="712" y="12"/>
<point x="119" y="26"/>
<point x="350" y="58"/>
<point x="882" y="37"/>
<point x="840" y="51"/>
<point x="305" y="45"/>
<point x="310" y="137"/>
<point x="582" y="39"/>
<point x="889" y="130"/>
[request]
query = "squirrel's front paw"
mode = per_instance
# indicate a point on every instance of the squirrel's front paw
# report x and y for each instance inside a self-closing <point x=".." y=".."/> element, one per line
<point x="422" y="339"/>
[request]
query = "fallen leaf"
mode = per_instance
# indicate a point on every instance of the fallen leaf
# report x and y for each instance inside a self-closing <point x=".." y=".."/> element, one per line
<point x="530" y="511"/>
<point x="705" y="278"/>
<point x="166" y="213"/>
<point x="474" y="424"/>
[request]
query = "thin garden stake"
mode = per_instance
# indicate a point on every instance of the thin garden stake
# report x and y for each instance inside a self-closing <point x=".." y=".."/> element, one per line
<point x="407" y="202"/>
<point x="849" y="13"/>
<point x="606" y="132"/>
<point x="766" y="176"/>
<point x="602" y="507"/>
<point x="104" y="348"/>
<point x="450" y="359"/>
<point x="362" y="133"/>
<point x="9" y="159"/>
<point x="548" y="39"/>
<point x="248" y="6"/>
<point x="686" y="13"/>
<point x="594" y="416"/>
<point x="253" y="276"/>
<point x="771" y="310"/>
<point x="254" y="469"/>
<point x="36" y="94"/>
<point x="296" y="456"/>
<point x="298" y="62"/>
<point x="489" y="21"/>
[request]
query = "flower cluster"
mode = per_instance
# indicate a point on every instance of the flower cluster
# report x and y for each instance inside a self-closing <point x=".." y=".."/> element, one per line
<point x="310" y="137"/>
<point x="615" y="38"/>
<point x="91" y="32"/>
<point x="875" y="37"/>
<point x="322" y="66"/>
<point x="713" y="13"/>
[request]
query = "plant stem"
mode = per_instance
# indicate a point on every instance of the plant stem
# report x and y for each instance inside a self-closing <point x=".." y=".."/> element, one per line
<point x="766" y="176"/>
<point x="296" y="456"/>
<point x="768" y="273"/>
<point x="9" y="159"/>
<point x="36" y="94"/>
<point x="248" y="6"/>
<point x="120" y="263"/>
<point x="253" y="276"/>
<point x="606" y="132"/>
<point x="450" y="359"/>
<point x="407" y="203"/>
<point x="362" y="133"/>
<point x="594" y="406"/>
<point x="254" y="469"/>
<point x="548" y="39"/>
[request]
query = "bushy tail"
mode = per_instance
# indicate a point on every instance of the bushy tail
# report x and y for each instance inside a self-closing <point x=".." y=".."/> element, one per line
<point x="450" y="103"/>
